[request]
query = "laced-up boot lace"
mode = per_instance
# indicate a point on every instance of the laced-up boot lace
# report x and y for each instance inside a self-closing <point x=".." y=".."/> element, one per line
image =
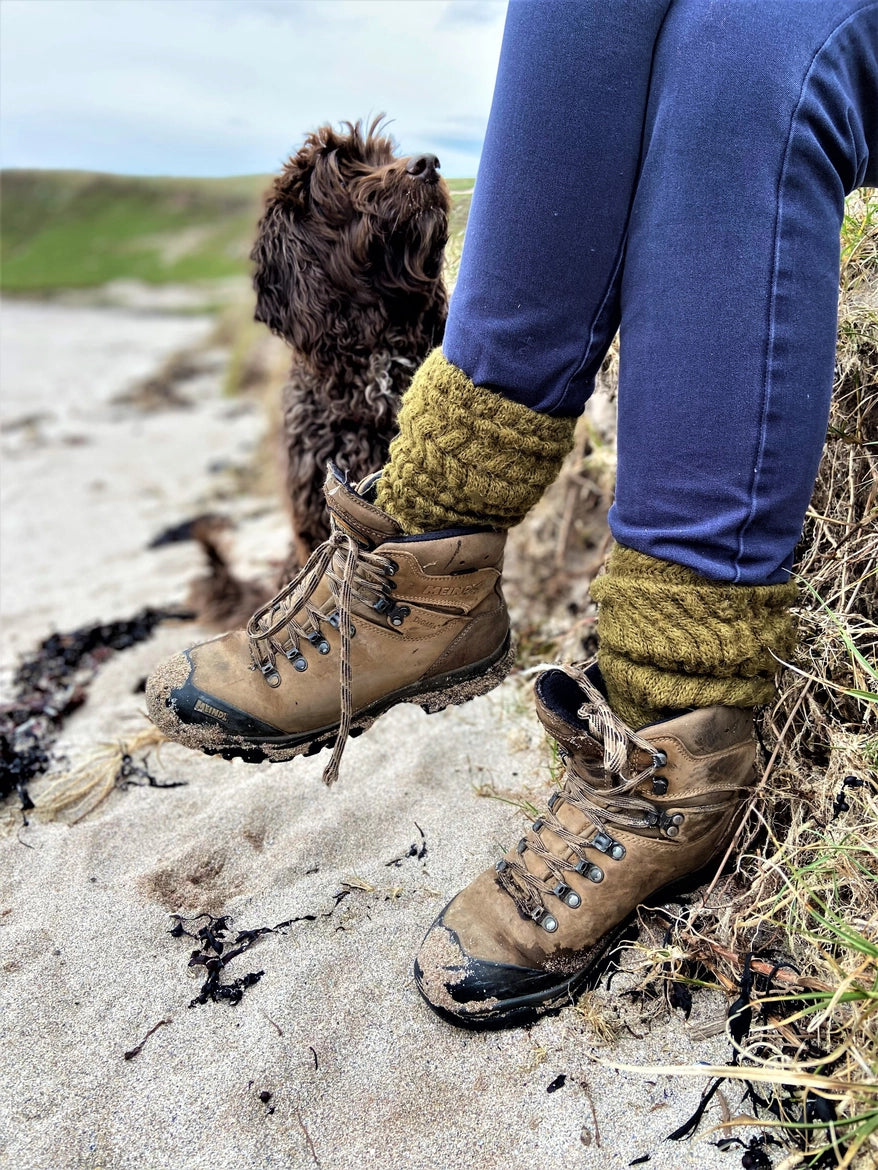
<point x="291" y="618"/>
<point x="604" y="806"/>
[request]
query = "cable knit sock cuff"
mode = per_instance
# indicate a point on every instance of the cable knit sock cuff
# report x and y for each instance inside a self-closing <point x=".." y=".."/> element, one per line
<point x="670" y="639"/>
<point x="465" y="455"/>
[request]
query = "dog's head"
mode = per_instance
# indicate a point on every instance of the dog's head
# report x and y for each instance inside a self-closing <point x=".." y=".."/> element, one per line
<point x="349" y="231"/>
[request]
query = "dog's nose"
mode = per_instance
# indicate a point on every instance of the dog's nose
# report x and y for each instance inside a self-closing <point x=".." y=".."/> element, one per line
<point x="425" y="166"/>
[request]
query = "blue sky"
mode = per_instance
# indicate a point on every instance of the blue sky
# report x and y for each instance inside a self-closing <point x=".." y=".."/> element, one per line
<point x="223" y="87"/>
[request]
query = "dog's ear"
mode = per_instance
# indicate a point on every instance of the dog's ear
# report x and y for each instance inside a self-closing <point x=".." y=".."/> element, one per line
<point x="275" y="275"/>
<point x="293" y="296"/>
<point x="275" y="253"/>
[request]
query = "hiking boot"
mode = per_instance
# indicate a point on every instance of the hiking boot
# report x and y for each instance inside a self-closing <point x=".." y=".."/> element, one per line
<point x="636" y="813"/>
<point x="374" y="618"/>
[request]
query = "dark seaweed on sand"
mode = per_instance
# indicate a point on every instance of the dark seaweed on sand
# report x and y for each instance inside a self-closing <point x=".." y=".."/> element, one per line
<point x="50" y="685"/>
<point x="217" y="946"/>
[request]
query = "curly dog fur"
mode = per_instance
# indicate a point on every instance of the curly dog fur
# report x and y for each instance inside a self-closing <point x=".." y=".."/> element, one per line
<point x="348" y="271"/>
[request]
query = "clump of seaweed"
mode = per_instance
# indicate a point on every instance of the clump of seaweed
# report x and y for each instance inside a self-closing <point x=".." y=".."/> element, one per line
<point x="215" y="950"/>
<point x="52" y="684"/>
<point x="218" y="944"/>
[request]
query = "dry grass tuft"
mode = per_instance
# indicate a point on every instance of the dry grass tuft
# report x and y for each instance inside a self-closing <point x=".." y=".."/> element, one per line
<point x="72" y="795"/>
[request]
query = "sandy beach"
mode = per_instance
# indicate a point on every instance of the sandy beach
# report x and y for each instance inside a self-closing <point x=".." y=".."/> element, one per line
<point x="330" y="1059"/>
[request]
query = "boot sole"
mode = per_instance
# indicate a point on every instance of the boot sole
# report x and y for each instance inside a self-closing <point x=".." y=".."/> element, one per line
<point x="433" y="695"/>
<point x="520" y="1011"/>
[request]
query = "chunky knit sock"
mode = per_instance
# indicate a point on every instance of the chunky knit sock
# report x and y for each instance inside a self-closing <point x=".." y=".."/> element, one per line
<point x="670" y="639"/>
<point x="466" y="455"/>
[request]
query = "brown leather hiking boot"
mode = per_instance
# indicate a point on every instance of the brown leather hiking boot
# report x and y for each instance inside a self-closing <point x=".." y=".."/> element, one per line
<point x="636" y="813"/>
<point x="373" y="619"/>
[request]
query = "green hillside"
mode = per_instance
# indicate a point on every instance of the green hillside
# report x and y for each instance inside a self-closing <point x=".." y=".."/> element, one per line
<point x="72" y="229"/>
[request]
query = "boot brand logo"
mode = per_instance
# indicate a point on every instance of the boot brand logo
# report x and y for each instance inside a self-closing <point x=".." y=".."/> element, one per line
<point x="206" y="709"/>
<point x="453" y="590"/>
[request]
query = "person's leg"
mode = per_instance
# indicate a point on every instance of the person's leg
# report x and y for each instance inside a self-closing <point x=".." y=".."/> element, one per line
<point x="486" y="422"/>
<point x="536" y="302"/>
<point x="760" y="121"/>
<point x="762" y="114"/>
<point x="761" y="118"/>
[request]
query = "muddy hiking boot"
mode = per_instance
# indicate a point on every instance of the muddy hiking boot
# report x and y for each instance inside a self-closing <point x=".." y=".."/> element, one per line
<point x="636" y="813"/>
<point x="373" y="619"/>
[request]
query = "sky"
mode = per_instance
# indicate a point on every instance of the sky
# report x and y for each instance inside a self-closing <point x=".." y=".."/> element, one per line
<point x="227" y="87"/>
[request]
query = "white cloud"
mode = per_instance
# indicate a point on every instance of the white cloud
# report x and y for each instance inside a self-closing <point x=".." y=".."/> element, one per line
<point x="231" y="86"/>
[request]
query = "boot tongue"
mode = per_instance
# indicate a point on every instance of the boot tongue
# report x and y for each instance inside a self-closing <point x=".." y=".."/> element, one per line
<point x="558" y="700"/>
<point x="353" y="513"/>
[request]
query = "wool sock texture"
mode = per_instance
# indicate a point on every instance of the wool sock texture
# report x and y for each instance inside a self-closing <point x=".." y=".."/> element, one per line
<point x="467" y="456"/>
<point x="670" y="639"/>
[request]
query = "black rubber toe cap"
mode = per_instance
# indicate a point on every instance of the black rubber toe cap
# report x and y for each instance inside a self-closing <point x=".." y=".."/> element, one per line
<point x="189" y="705"/>
<point x="479" y="993"/>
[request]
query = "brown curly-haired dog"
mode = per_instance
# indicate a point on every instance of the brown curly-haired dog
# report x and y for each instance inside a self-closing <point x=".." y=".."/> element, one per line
<point x="349" y="272"/>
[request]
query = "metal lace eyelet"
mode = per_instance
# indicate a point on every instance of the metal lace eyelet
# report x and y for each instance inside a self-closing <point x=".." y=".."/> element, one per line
<point x="588" y="869"/>
<point x="543" y="918"/>
<point x="671" y="823"/>
<point x="659" y="758"/>
<point x="270" y="674"/>
<point x="567" y="895"/>
<point x="320" y="642"/>
<point x="334" y="620"/>
<point x="538" y="824"/>
<point x="659" y="785"/>
<point x="604" y="843"/>
<point x="399" y="614"/>
<point x="521" y="846"/>
<point x="601" y="842"/>
<point x="501" y="865"/>
<point x="391" y="568"/>
<point x="294" y="655"/>
<point x="553" y="800"/>
<point x="383" y="605"/>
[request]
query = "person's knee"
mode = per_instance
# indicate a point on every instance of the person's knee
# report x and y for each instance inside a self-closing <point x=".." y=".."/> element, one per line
<point x="730" y="74"/>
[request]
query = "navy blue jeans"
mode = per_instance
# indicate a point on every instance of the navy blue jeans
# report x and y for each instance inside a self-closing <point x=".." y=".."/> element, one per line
<point x="679" y="167"/>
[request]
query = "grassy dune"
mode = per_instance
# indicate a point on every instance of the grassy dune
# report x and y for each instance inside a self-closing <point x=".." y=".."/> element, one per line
<point x="75" y="229"/>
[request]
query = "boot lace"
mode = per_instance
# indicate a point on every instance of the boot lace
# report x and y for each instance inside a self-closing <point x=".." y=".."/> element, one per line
<point x="605" y="807"/>
<point x="291" y="618"/>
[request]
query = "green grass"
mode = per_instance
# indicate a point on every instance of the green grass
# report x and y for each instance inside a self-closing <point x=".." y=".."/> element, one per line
<point x="67" y="229"/>
<point x="75" y="229"/>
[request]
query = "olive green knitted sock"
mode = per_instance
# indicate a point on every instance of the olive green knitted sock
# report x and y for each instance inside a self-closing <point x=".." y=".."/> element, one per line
<point x="466" y="455"/>
<point x="671" y="639"/>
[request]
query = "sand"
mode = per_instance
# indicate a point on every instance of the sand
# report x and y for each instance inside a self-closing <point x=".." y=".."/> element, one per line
<point x="360" y="1073"/>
